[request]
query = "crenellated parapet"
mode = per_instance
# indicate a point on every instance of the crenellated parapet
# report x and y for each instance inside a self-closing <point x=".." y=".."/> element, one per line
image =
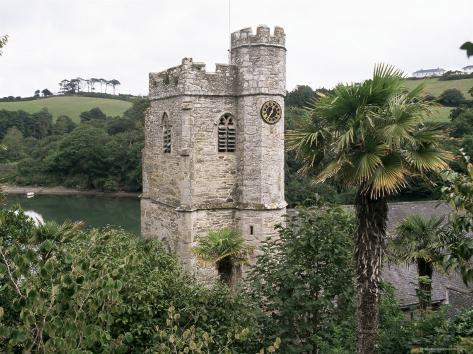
<point x="191" y="78"/>
<point x="245" y="37"/>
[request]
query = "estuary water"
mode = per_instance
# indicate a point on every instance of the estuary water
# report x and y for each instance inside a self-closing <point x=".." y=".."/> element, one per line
<point x="93" y="211"/>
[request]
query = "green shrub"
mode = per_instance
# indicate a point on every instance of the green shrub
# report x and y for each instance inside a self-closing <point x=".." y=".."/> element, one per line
<point x="303" y="283"/>
<point x="65" y="289"/>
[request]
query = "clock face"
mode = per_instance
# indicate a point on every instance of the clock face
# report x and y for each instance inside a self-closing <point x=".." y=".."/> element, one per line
<point x="271" y="112"/>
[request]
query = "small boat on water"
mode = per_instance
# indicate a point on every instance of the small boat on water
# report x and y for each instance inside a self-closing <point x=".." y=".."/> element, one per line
<point x="30" y="195"/>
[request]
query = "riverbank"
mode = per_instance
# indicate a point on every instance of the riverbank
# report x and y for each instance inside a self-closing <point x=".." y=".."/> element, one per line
<point x="12" y="189"/>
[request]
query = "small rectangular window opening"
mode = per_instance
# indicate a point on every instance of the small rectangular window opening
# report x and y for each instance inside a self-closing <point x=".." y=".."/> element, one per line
<point x="251" y="230"/>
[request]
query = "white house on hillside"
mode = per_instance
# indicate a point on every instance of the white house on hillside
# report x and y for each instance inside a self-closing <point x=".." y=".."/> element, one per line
<point x="468" y="69"/>
<point x="429" y="72"/>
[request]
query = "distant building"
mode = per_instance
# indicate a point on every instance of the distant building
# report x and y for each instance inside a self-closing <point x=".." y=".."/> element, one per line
<point x="429" y="72"/>
<point x="468" y="69"/>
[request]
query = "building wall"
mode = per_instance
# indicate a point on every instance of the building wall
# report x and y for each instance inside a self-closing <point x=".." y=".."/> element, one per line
<point x="195" y="188"/>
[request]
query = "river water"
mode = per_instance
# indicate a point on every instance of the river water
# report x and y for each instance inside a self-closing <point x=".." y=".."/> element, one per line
<point x="94" y="211"/>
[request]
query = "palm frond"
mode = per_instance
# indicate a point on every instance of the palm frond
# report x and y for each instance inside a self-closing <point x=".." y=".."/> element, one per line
<point x="220" y="244"/>
<point x="424" y="159"/>
<point x="388" y="179"/>
<point x="418" y="237"/>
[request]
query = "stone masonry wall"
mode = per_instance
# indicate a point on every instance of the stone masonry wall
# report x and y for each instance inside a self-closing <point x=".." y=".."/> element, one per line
<point x="195" y="188"/>
<point x="213" y="179"/>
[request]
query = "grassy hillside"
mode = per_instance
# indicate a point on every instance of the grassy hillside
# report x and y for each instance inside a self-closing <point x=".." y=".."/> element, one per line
<point x="71" y="106"/>
<point x="435" y="87"/>
<point x="440" y="114"/>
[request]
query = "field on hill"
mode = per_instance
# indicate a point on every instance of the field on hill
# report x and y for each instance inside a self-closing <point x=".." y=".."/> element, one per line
<point x="440" y="114"/>
<point x="435" y="87"/>
<point x="71" y="106"/>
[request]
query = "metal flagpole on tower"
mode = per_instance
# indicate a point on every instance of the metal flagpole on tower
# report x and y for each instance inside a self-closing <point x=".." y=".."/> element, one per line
<point x="229" y="31"/>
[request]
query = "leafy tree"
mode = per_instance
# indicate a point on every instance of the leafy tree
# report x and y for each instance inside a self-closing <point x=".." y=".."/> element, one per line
<point x="301" y="96"/>
<point x="67" y="289"/>
<point x="418" y="240"/>
<point x="93" y="81"/>
<point x="63" y="86"/>
<point x="75" y="85"/>
<point x="46" y="92"/>
<point x="452" y="97"/>
<point x="137" y="111"/>
<point x="120" y="125"/>
<point x="37" y="125"/>
<point x="93" y="114"/>
<point x="468" y="47"/>
<point x="13" y="146"/>
<point x="42" y="124"/>
<point x="462" y="124"/>
<point x="227" y="251"/>
<point x="82" y="152"/>
<point x="123" y="157"/>
<point x="303" y="283"/>
<point x="370" y="136"/>
<point x="458" y="192"/>
<point x="36" y="93"/>
<point x="103" y="81"/>
<point x="114" y="83"/>
<point x="63" y="125"/>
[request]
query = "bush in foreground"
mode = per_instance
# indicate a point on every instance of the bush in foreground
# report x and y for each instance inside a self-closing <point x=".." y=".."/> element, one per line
<point x="66" y="289"/>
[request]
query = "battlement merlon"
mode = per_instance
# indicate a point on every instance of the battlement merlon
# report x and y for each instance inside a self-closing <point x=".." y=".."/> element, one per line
<point x="245" y="37"/>
<point x="191" y="78"/>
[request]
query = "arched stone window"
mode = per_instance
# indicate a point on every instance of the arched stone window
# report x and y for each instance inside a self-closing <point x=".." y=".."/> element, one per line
<point x="166" y="134"/>
<point x="226" y="133"/>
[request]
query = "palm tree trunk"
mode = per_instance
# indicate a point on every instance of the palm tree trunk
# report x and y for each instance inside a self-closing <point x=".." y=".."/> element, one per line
<point x="370" y="237"/>
<point x="425" y="269"/>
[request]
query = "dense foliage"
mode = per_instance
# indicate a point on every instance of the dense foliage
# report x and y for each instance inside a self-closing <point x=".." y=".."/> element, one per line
<point x="452" y="97"/>
<point x="370" y="136"/>
<point x="301" y="191"/>
<point x="458" y="192"/>
<point x="417" y="240"/>
<point x="304" y="285"/>
<point x="100" y="153"/>
<point x="303" y="282"/>
<point x="65" y="289"/>
<point x="68" y="289"/>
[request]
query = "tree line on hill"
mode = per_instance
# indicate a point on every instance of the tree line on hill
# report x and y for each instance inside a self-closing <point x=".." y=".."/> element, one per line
<point x="100" y="152"/>
<point x="71" y="86"/>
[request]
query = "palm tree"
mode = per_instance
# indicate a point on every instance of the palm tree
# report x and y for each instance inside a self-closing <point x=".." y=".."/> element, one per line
<point x="419" y="240"/>
<point x="227" y="251"/>
<point x="370" y="136"/>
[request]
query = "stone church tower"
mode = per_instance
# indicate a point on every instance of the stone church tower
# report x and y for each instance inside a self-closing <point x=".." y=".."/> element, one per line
<point x="214" y="145"/>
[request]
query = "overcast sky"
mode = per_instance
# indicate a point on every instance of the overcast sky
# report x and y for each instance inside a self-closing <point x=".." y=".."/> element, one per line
<point x="328" y="41"/>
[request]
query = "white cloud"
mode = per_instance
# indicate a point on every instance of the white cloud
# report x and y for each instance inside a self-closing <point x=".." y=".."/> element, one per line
<point x="327" y="41"/>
